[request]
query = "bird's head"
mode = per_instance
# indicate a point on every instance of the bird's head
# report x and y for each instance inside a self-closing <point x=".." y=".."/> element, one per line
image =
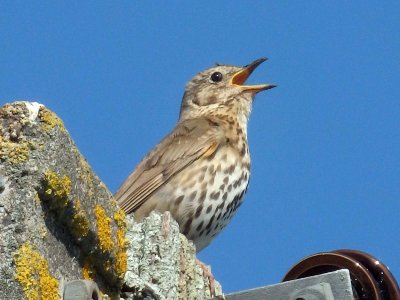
<point x="221" y="89"/>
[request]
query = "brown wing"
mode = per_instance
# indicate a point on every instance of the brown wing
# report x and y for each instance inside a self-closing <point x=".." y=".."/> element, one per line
<point x="189" y="141"/>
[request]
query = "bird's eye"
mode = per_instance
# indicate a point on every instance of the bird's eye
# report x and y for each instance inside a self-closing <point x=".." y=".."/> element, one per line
<point x="216" y="76"/>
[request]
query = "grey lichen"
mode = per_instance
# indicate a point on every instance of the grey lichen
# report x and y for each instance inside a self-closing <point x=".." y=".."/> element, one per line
<point x="162" y="262"/>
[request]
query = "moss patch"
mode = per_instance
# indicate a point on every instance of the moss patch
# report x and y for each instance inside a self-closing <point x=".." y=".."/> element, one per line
<point x="32" y="272"/>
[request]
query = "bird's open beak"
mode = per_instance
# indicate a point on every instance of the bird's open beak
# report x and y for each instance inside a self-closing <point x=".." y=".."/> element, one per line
<point x="240" y="78"/>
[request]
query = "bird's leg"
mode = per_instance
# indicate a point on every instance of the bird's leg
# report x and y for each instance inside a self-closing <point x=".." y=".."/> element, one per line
<point x="207" y="274"/>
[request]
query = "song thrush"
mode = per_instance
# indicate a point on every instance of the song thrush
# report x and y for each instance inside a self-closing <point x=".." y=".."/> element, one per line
<point x="200" y="170"/>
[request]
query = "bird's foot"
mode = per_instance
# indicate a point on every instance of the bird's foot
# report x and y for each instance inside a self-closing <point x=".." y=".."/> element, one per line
<point x="207" y="274"/>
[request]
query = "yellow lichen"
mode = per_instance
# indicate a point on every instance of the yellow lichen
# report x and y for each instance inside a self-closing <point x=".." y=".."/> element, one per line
<point x="121" y="263"/>
<point x="13" y="144"/>
<point x="121" y="257"/>
<point x="49" y="119"/>
<point x="14" y="152"/>
<point x="32" y="272"/>
<point x="80" y="222"/>
<point x="119" y="217"/>
<point x="87" y="270"/>
<point x="103" y="229"/>
<point x="57" y="189"/>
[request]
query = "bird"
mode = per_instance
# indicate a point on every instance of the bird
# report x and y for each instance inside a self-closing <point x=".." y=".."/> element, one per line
<point x="200" y="171"/>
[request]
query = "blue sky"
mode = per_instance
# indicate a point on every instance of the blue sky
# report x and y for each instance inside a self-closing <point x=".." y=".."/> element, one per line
<point x="325" y="143"/>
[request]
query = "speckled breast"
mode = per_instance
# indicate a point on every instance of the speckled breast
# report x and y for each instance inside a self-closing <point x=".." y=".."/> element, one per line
<point x="207" y="195"/>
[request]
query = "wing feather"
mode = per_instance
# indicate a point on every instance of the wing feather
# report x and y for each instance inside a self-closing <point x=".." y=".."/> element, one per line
<point x="189" y="141"/>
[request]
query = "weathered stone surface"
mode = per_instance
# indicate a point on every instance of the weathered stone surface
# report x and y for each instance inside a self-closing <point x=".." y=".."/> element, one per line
<point x="59" y="222"/>
<point x="162" y="262"/>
